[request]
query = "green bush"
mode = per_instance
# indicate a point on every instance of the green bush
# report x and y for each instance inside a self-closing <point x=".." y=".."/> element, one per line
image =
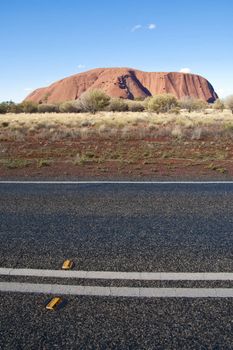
<point x="229" y="103"/>
<point x="70" y="107"/>
<point x="47" y="108"/>
<point x="192" y="104"/>
<point x="117" y="105"/>
<point x="28" y="107"/>
<point x="161" y="103"/>
<point x="136" y="107"/>
<point x="94" y="101"/>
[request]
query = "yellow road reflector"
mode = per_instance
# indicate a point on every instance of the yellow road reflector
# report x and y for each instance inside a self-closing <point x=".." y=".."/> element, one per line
<point x="67" y="265"/>
<point x="53" y="304"/>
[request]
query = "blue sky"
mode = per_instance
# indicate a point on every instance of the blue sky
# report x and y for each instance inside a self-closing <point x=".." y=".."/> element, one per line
<point x="46" y="40"/>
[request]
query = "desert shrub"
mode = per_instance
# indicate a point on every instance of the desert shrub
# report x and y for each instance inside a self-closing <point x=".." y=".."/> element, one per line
<point x="136" y="107"/>
<point x="229" y="103"/>
<point x="70" y="107"/>
<point x="7" y="107"/>
<point x="47" y="108"/>
<point x="146" y="102"/>
<point x="140" y="99"/>
<point x="5" y="124"/>
<point x="94" y="101"/>
<point x="192" y="104"/>
<point x="117" y="105"/>
<point x="16" y="108"/>
<point x="3" y="108"/>
<point x="28" y="107"/>
<point x="218" y="105"/>
<point x="161" y="103"/>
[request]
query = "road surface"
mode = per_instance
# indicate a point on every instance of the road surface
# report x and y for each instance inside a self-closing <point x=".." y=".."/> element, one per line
<point x="153" y="265"/>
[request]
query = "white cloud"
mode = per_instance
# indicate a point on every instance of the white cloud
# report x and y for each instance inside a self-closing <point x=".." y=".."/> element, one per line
<point x="81" y="66"/>
<point x="137" y="27"/>
<point x="185" y="70"/>
<point x="151" y="26"/>
<point x="28" y="89"/>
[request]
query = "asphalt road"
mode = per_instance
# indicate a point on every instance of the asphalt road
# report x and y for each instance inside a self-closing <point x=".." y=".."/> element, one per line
<point x="117" y="227"/>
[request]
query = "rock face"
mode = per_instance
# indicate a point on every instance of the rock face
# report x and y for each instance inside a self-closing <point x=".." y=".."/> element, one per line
<point x="125" y="83"/>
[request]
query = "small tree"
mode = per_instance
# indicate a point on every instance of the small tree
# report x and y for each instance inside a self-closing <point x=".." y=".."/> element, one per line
<point x="117" y="105"/>
<point x="162" y="103"/>
<point x="7" y="107"/>
<point x="28" y="107"/>
<point x="94" y="101"/>
<point x="3" y="108"/>
<point x="218" y="105"/>
<point x="192" y="104"/>
<point x="229" y="102"/>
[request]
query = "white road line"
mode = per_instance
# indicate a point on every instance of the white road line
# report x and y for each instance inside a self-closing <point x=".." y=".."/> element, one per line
<point x="117" y="182"/>
<point x="113" y="275"/>
<point x="117" y="291"/>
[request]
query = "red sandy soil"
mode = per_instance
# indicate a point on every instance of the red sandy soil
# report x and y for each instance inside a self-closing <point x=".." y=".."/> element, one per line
<point x="117" y="159"/>
<point x="125" y="83"/>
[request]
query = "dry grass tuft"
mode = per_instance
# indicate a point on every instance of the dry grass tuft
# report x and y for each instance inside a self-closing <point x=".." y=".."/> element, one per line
<point x="128" y="125"/>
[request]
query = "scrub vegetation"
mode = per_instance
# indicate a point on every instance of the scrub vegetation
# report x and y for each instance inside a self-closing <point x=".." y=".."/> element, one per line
<point x="96" y="101"/>
<point x="99" y="136"/>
